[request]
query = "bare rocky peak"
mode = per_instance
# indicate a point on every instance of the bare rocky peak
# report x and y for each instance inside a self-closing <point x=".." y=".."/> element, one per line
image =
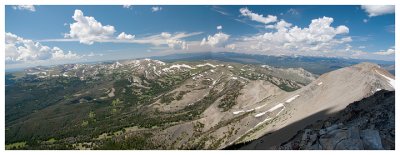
<point x="330" y="93"/>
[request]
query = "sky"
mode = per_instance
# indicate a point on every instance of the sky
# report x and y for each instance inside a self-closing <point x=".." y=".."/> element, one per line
<point x="51" y="34"/>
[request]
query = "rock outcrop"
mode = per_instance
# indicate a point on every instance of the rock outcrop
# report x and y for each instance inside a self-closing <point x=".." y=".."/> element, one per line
<point x="367" y="124"/>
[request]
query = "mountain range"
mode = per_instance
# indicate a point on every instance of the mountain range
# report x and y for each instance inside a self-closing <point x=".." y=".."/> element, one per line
<point x="181" y="102"/>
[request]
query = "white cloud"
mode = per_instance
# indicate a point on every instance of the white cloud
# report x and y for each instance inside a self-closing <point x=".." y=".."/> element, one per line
<point x="342" y="29"/>
<point x="219" y="27"/>
<point x="219" y="39"/>
<point x="361" y="47"/>
<point x="316" y="39"/>
<point x="60" y="55"/>
<point x="88" y="30"/>
<point x="220" y="10"/>
<point x="269" y="26"/>
<point x="19" y="49"/>
<point x="165" y="35"/>
<point x="389" y="51"/>
<point x="127" y="6"/>
<point x="124" y="36"/>
<point x="156" y="8"/>
<point x="173" y="41"/>
<point x="25" y="7"/>
<point x="91" y="54"/>
<point x="231" y="46"/>
<point x="257" y="17"/>
<point x="377" y="10"/>
<point x="165" y="38"/>
<point x="346" y="39"/>
<point x="365" y="20"/>
<point x="293" y="11"/>
<point x="177" y="44"/>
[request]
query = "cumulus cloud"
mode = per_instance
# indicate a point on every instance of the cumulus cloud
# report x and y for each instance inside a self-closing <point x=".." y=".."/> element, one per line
<point x="217" y="40"/>
<point x="156" y="8"/>
<point x="18" y="49"/>
<point x="342" y="29"/>
<point x="377" y="10"/>
<point x="124" y="36"/>
<point x="257" y="17"/>
<point x="25" y="7"/>
<point x="88" y="30"/>
<point x="219" y="27"/>
<point x="173" y="42"/>
<point x="177" y="44"/>
<point x="389" y="51"/>
<point x="319" y="37"/>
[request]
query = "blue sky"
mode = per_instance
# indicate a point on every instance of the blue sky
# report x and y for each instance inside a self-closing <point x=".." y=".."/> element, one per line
<point x="42" y="35"/>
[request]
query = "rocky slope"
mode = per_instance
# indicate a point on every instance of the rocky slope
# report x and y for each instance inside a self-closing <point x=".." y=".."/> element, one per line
<point x="366" y="124"/>
<point x="330" y="93"/>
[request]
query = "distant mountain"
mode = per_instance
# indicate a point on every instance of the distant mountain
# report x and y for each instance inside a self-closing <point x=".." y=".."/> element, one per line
<point x="152" y="104"/>
<point x="316" y="65"/>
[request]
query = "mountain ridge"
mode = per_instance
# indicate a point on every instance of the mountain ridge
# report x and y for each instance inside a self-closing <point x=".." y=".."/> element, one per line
<point x="180" y="105"/>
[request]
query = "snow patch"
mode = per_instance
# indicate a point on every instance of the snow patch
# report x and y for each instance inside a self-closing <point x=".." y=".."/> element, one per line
<point x="238" y="112"/>
<point x="292" y="98"/>
<point x="276" y="107"/>
<point x="320" y="83"/>
<point x="259" y="107"/>
<point x="390" y="80"/>
<point x="249" y="110"/>
<point x="230" y="67"/>
<point x="177" y="66"/>
<point x="159" y="62"/>
<point x="271" y="110"/>
<point x="206" y="64"/>
<point x="260" y="114"/>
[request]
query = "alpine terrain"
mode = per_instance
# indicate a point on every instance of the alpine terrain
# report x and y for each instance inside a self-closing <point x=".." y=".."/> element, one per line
<point x="203" y="104"/>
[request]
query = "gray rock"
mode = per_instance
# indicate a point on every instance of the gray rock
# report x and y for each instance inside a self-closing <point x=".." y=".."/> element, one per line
<point x="349" y="144"/>
<point x="313" y="138"/>
<point x="371" y="139"/>
<point x="340" y="139"/>
<point x="333" y="127"/>
<point x="322" y="132"/>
